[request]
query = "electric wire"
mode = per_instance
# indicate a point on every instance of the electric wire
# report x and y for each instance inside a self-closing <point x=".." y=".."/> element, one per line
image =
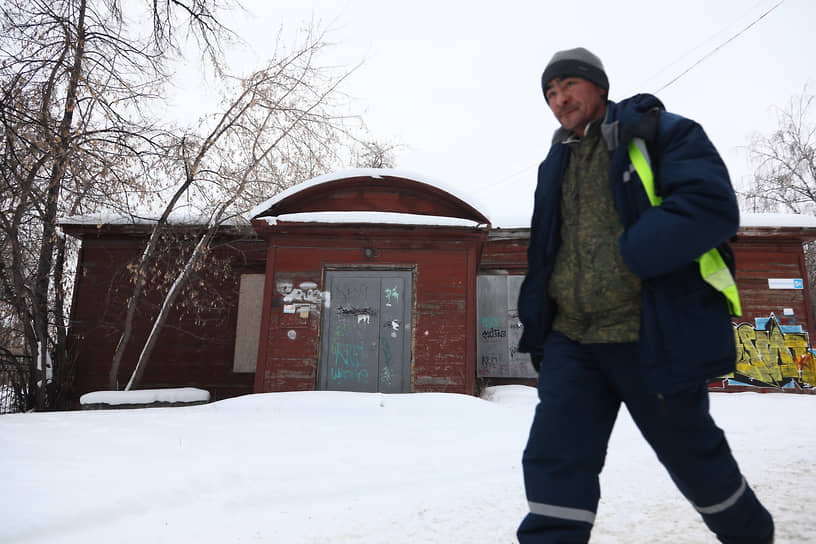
<point x="509" y="177"/>
<point x="729" y="40"/>
<point x="693" y="51"/>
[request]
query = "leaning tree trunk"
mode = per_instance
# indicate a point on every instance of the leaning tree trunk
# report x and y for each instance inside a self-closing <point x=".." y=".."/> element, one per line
<point x="169" y="300"/>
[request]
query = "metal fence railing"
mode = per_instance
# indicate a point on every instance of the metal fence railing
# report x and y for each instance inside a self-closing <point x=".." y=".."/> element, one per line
<point x="15" y="395"/>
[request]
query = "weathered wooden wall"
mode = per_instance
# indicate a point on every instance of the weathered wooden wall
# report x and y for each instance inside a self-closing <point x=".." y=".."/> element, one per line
<point x="775" y="331"/>
<point x="505" y="252"/>
<point x="443" y="263"/>
<point x="760" y="259"/>
<point x="761" y="254"/>
<point x="191" y="352"/>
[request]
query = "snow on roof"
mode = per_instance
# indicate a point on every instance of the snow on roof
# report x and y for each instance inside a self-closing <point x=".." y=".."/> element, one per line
<point x="183" y="216"/>
<point x="512" y="223"/>
<point x="191" y="216"/>
<point x="376" y="173"/>
<point x="777" y="220"/>
<point x="390" y="218"/>
<point x="747" y="220"/>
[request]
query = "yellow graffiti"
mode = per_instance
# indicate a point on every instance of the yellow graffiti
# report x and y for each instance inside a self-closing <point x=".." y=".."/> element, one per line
<point x="772" y="356"/>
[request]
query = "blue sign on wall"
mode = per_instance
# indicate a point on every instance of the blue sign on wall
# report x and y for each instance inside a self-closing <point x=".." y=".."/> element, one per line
<point x="786" y="283"/>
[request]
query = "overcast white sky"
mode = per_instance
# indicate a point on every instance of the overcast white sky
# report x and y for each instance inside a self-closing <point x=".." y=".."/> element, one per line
<point x="458" y="82"/>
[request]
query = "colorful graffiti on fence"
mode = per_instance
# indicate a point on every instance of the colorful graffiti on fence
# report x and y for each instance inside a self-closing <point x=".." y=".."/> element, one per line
<point x="772" y="355"/>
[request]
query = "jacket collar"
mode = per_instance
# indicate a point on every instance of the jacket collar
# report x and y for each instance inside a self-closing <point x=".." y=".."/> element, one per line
<point x="564" y="136"/>
<point x="616" y="113"/>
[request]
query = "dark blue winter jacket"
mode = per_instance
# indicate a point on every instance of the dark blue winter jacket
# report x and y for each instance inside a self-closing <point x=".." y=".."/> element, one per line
<point x="686" y="334"/>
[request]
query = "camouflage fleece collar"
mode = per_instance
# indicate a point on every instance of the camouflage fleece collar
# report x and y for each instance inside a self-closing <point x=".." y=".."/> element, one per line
<point x="617" y="113"/>
<point x="608" y="130"/>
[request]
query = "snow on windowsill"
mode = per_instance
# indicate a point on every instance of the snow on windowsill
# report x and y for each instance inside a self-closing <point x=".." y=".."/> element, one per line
<point x="181" y="395"/>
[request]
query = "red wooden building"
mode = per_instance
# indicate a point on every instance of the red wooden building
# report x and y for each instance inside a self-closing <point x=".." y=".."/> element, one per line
<point x="377" y="280"/>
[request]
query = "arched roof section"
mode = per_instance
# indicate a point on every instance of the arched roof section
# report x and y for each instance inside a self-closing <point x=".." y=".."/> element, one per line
<point x="371" y="190"/>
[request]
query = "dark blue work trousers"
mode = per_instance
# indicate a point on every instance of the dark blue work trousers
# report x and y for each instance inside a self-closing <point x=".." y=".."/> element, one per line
<point x="580" y="388"/>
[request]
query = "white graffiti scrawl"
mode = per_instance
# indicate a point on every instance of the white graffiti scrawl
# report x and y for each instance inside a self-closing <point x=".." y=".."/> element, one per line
<point x="305" y="292"/>
<point x="306" y="296"/>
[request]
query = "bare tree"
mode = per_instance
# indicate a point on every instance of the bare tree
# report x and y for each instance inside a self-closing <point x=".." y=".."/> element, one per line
<point x="785" y="169"/>
<point x="281" y="125"/>
<point x="785" y="161"/>
<point x="374" y="154"/>
<point x="74" y="82"/>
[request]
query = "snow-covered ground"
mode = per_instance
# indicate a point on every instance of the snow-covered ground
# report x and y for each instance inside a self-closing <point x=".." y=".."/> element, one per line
<point x="322" y="467"/>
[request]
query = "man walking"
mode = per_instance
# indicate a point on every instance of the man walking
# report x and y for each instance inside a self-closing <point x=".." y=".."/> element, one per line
<point x="621" y="304"/>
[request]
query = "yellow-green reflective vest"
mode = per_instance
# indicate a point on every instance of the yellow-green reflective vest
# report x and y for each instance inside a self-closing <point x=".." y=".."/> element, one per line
<point x="712" y="266"/>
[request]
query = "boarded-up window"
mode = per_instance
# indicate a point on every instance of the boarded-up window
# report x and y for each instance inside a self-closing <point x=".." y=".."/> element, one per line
<point x="499" y="329"/>
<point x="247" y="331"/>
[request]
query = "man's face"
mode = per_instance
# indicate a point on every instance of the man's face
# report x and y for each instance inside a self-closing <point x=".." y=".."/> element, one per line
<point x="575" y="102"/>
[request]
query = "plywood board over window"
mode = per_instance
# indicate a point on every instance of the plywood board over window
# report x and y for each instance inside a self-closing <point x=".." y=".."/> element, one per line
<point x="499" y="328"/>
<point x="247" y="331"/>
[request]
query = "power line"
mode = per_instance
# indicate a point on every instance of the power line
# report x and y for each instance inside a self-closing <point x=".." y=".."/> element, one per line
<point x="687" y="70"/>
<point x="693" y="51"/>
<point x="506" y="178"/>
<point x="729" y="40"/>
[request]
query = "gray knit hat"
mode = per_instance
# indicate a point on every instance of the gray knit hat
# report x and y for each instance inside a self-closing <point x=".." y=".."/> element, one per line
<point x="577" y="62"/>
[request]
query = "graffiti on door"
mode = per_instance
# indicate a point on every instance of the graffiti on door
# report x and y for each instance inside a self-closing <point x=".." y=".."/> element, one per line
<point x="386" y="374"/>
<point x="391" y="296"/>
<point x="347" y="364"/>
<point x="365" y="344"/>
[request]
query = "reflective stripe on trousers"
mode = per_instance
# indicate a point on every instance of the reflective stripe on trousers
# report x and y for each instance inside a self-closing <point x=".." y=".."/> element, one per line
<point x="724" y="505"/>
<point x="562" y="512"/>
<point x="587" y="516"/>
